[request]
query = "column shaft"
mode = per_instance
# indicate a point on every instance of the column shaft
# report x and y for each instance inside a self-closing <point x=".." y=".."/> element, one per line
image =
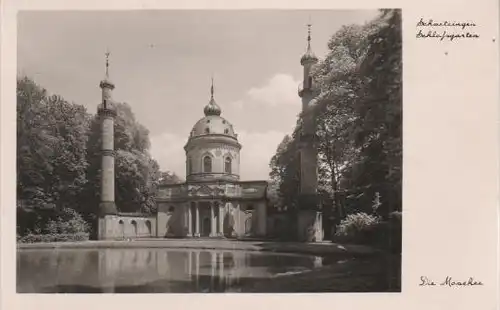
<point x="221" y="220"/>
<point x="197" y="231"/>
<point x="190" y="221"/>
<point x="212" y="220"/>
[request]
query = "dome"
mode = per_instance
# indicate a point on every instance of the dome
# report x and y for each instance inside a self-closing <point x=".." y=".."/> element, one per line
<point x="308" y="57"/>
<point x="212" y="125"/>
<point x="212" y="149"/>
<point x="212" y="108"/>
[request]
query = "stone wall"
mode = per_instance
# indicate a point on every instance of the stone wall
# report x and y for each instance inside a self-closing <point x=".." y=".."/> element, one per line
<point x="124" y="226"/>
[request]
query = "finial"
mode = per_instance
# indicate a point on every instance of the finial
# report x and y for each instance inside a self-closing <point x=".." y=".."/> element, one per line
<point x="309" y="34"/>
<point x="212" y="88"/>
<point x="107" y="63"/>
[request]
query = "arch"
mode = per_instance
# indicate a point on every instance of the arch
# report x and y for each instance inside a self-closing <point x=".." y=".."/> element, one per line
<point x="121" y="226"/>
<point x="148" y="226"/>
<point x="228" y="165"/>
<point x="171" y="209"/>
<point x="134" y="225"/>
<point x="207" y="130"/>
<point x="207" y="164"/>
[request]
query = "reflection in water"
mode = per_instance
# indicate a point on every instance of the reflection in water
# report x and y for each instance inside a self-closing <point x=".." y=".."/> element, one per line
<point x="149" y="270"/>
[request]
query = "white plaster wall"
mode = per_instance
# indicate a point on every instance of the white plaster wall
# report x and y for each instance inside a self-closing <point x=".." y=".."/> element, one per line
<point x="115" y="230"/>
<point x="218" y="152"/>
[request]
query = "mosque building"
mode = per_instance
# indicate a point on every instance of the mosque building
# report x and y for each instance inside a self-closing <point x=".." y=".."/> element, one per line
<point x="213" y="201"/>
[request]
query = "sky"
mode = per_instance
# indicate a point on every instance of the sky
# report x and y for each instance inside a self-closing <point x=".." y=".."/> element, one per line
<point x="162" y="62"/>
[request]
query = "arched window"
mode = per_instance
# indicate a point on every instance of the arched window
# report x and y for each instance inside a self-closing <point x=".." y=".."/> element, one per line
<point x="226" y="131"/>
<point x="207" y="164"/>
<point x="227" y="165"/>
<point x="207" y="130"/>
<point x="148" y="226"/>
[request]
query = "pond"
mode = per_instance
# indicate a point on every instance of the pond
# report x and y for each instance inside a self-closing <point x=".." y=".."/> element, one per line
<point x="150" y="270"/>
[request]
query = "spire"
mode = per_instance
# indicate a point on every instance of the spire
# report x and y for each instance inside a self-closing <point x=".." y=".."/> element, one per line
<point x="309" y="55"/>
<point x="212" y="108"/>
<point x="106" y="83"/>
<point x="107" y="64"/>
<point x="309" y="36"/>
<point x="212" y="89"/>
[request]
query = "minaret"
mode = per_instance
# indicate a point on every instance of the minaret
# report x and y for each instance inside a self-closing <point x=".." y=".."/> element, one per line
<point x="107" y="113"/>
<point x="309" y="214"/>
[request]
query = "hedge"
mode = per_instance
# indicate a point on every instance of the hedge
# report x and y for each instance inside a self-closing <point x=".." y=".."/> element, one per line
<point x="34" y="238"/>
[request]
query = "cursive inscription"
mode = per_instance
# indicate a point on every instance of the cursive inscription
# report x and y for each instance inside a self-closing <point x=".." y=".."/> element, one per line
<point x="450" y="282"/>
<point x="445" y="30"/>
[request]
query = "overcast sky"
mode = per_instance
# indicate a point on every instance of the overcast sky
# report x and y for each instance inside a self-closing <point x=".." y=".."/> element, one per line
<point x="161" y="63"/>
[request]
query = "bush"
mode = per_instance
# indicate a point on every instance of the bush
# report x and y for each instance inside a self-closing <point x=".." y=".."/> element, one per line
<point x="68" y="222"/>
<point x="357" y="228"/>
<point x="35" y="238"/>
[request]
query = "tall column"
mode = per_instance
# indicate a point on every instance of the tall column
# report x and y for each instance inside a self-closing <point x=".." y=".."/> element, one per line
<point x="221" y="219"/>
<point x="308" y="153"/>
<point x="213" y="224"/>
<point x="107" y="114"/>
<point x="197" y="227"/>
<point x="190" y="220"/>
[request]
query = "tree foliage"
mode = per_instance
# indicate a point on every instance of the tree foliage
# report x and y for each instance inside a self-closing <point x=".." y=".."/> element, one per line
<point x="59" y="162"/>
<point x="358" y="112"/>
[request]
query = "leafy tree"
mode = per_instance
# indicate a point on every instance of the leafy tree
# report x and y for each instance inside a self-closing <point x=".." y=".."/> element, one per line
<point x="51" y="139"/>
<point x="137" y="173"/>
<point x="358" y="113"/>
<point x="379" y="125"/>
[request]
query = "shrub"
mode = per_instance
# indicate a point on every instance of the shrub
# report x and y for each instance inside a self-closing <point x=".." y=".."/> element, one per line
<point x="357" y="228"/>
<point x="35" y="238"/>
<point x="68" y="222"/>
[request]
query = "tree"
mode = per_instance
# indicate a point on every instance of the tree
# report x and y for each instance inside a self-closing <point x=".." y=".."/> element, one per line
<point x="51" y="139"/>
<point x="379" y="126"/>
<point x="137" y="173"/>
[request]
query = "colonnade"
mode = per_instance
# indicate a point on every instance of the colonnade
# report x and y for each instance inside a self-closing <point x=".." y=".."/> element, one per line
<point x="218" y="212"/>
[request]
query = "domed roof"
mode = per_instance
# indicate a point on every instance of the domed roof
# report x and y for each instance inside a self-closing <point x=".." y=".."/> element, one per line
<point x="212" y="108"/>
<point x="308" y="57"/>
<point x="212" y="123"/>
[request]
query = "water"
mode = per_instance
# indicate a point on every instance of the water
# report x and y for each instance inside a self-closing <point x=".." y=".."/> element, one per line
<point x="150" y="270"/>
